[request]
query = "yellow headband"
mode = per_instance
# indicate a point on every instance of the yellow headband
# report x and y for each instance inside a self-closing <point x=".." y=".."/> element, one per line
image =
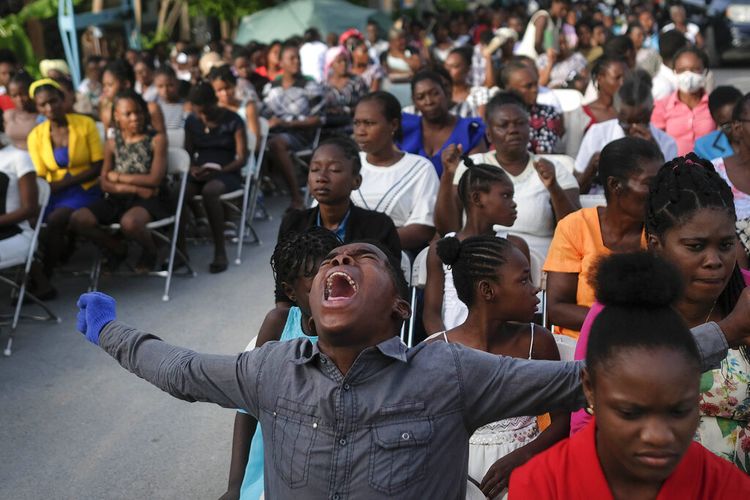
<point x="42" y="82"/>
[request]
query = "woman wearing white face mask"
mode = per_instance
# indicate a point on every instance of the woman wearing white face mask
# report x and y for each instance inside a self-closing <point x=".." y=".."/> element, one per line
<point x="684" y="114"/>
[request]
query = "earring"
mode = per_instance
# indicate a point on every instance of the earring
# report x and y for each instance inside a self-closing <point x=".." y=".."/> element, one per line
<point x="589" y="410"/>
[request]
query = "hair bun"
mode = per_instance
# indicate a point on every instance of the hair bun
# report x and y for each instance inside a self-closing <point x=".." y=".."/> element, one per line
<point x="638" y="279"/>
<point x="448" y="249"/>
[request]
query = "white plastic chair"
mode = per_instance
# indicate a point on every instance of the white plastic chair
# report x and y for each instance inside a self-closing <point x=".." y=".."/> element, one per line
<point x="43" y="197"/>
<point x="102" y="132"/>
<point x="593" y="200"/>
<point x="176" y="137"/>
<point x="566" y="346"/>
<point x="570" y="99"/>
<point x="418" y="281"/>
<point x="178" y="164"/>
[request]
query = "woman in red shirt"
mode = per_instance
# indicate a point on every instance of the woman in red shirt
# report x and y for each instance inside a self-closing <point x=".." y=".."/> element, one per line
<point x="642" y="384"/>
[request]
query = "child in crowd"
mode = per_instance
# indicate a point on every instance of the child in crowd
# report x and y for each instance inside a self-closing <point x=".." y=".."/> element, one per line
<point x="133" y="175"/>
<point x="294" y="262"/>
<point x="487" y="194"/>
<point x="492" y="277"/>
<point x="642" y="380"/>
<point x="118" y="76"/>
<point x="174" y="108"/>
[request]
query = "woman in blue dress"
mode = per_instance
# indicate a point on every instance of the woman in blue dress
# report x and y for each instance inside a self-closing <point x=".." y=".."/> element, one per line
<point x="434" y="128"/>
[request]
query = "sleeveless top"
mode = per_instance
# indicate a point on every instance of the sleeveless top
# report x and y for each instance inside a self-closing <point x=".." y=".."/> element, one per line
<point x="134" y="158"/>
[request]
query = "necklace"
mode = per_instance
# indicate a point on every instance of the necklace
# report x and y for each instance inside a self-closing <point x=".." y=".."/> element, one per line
<point x="710" y="312"/>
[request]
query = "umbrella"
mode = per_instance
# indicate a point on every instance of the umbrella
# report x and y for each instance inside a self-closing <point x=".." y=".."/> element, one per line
<point x="294" y="17"/>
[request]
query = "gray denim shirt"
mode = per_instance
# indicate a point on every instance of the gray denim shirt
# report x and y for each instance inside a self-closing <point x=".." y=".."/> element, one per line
<point x="396" y="426"/>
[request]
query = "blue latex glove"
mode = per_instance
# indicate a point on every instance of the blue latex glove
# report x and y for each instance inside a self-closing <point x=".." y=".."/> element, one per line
<point x="96" y="310"/>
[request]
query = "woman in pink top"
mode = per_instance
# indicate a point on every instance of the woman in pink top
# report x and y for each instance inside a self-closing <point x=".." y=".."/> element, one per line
<point x="684" y="114"/>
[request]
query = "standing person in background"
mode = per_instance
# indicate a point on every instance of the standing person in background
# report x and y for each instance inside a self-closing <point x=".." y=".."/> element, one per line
<point x="67" y="152"/>
<point x="650" y="29"/>
<point x="216" y="140"/>
<point x="402" y="185"/>
<point x="312" y="53"/>
<point x="543" y="31"/>
<point x="680" y="23"/>
<point x="144" y="79"/>
<point x="684" y="114"/>
<point x="721" y="104"/>
<point x="400" y="62"/>
<point x="293" y="105"/>
<point x="375" y="44"/>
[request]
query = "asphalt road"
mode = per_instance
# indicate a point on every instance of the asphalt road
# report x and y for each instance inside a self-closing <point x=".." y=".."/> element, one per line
<point x="74" y="425"/>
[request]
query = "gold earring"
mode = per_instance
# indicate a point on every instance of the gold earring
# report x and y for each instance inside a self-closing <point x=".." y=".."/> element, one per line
<point x="589" y="410"/>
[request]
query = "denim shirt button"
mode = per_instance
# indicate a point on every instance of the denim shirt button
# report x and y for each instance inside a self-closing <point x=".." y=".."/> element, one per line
<point x="347" y="387"/>
<point x="342" y="442"/>
<point x="405" y="436"/>
<point x="336" y="496"/>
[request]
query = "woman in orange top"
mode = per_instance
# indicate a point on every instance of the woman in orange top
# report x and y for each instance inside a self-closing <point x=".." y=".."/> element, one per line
<point x="626" y="168"/>
<point x="642" y="380"/>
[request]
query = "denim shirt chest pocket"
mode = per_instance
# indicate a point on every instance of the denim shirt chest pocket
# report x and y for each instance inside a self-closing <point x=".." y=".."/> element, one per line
<point x="295" y="428"/>
<point x="398" y="453"/>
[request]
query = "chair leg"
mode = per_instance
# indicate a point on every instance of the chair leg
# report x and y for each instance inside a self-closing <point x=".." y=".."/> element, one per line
<point x="411" y="318"/>
<point x="9" y="346"/>
<point x="96" y="270"/>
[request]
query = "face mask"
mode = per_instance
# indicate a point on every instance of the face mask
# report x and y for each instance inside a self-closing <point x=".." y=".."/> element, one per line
<point x="690" y="82"/>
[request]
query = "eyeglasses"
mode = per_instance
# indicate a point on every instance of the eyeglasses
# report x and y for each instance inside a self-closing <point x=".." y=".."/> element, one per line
<point x="627" y="126"/>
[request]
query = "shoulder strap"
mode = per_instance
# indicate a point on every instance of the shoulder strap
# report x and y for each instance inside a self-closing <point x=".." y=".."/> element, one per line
<point x="531" y="344"/>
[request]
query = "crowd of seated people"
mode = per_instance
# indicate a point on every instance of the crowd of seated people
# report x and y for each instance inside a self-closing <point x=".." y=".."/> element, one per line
<point x="479" y="171"/>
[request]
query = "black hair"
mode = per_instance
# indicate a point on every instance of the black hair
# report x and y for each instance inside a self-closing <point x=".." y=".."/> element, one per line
<point x="486" y="36"/>
<point x="618" y="46"/>
<point x="622" y="158"/>
<point x="696" y="52"/>
<point x="471" y="260"/>
<point x="202" y="95"/>
<point x="634" y="26"/>
<point x="94" y="59"/>
<point x="584" y="22"/>
<point x="670" y="43"/>
<point x="390" y="107"/>
<point x="311" y="35"/>
<point x="433" y="76"/>
<point x="722" y="96"/>
<point x="503" y="99"/>
<point x="223" y="73"/>
<point x="287" y="45"/>
<point x="682" y="187"/>
<point x="638" y="291"/>
<point x="348" y="147"/>
<point x="393" y="263"/>
<point x="602" y="63"/>
<point x="636" y="90"/>
<point x="166" y="70"/>
<point x="739" y="108"/>
<point x="464" y="53"/>
<point x="66" y="83"/>
<point x="146" y="59"/>
<point x="22" y="78"/>
<point x="479" y="177"/>
<point x="134" y="96"/>
<point x="49" y="88"/>
<point x="511" y="67"/>
<point x="7" y="56"/>
<point x="298" y="254"/>
<point x="121" y="70"/>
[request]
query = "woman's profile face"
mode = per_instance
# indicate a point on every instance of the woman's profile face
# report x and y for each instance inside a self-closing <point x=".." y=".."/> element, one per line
<point x="525" y="82"/>
<point x="110" y="85"/>
<point x="457" y="68"/>
<point x="611" y="79"/>
<point x="508" y="129"/>
<point x="224" y="91"/>
<point x="645" y="402"/>
<point x="703" y="249"/>
<point x="430" y="99"/>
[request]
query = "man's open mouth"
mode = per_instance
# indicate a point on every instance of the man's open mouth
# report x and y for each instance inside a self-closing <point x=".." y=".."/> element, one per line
<point x="339" y="285"/>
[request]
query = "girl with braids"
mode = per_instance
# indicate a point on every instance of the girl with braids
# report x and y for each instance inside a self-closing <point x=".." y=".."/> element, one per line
<point x="641" y="381"/>
<point x="118" y="76"/>
<point x="492" y="277"/>
<point x="690" y="222"/>
<point x="627" y="167"/>
<point x="607" y="75"/>
<point x="487" y="194"/>
<point x="135" y="167"/>
<point x="294" y="262"/>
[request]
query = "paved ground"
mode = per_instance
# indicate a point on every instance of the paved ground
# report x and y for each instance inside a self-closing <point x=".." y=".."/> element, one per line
<point x="74" y="425"/>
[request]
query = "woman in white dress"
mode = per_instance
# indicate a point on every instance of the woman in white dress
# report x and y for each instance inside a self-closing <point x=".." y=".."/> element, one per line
<point x="404" y="186"/>
<point x="491" y="277"/>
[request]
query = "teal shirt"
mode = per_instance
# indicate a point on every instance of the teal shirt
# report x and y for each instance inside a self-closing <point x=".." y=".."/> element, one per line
<point x="252" y="484"/>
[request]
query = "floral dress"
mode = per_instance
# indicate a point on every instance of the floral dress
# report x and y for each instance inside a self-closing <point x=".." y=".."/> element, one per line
<point x="545" y="123"/>
<point x="725" y="410"/>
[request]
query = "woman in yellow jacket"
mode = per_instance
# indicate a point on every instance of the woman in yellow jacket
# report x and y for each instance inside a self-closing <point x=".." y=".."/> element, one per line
<point x="67" y="151"/>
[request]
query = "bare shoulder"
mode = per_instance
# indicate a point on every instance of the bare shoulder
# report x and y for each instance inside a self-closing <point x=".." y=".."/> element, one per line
<point x="272" y="326"/>
<point x="545" y="346"/>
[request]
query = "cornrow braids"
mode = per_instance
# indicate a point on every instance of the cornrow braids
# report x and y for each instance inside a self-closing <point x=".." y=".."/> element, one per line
<point x="298" y="254"/>
<point x="471" y="260"/>
<point x="479" y="177"/>
<point x="682" y="187"/>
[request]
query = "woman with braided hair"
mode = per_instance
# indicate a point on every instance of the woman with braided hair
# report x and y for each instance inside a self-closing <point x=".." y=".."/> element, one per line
<point x="690" y="221"/>
<point x="492" y="277"/>
<point x="294" y="262"/>
<point x="487" y="194"/>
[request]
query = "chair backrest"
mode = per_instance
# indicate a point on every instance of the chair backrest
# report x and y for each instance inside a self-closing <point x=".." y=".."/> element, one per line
<point x="593" y="200"/>
<point x="419" y="269"/>
<point x="102" y="131"/>
<point x="570" y="99"/>
<point x="536" y="263"/>
<point x="567" y="347"/>
<point x="178" y="160"/>
<point x="406" y="267"/>
<point x="176" y="137"/>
